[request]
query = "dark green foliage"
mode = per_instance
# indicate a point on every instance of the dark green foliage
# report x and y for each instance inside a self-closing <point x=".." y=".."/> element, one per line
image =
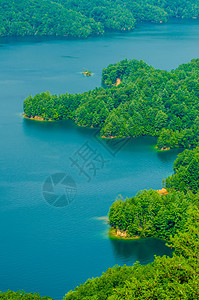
<point x="146" y="102"/>
<point x="9" y="295"/>
<point x="186" y="172"/>
<point x="101" y="288"/>
<point x="186" y="242"/>
<point x="80" y="18"/>
<point x="149" y="214"/>
<point x="44" y="17"/>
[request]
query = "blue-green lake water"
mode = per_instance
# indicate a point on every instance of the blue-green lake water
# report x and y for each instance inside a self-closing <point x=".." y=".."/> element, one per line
<point x="51" y="250"/>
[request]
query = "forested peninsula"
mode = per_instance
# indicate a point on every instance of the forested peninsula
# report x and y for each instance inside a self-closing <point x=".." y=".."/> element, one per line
<point x="147" y="101"/>
<point x="80" y="18"/>
<point x="150" y="214"/>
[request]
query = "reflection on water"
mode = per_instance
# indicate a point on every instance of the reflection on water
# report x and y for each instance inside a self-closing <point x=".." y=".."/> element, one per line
<point x="166" y="156"/>
<point x="128" y="251"/>
<point x="53" y="127"/>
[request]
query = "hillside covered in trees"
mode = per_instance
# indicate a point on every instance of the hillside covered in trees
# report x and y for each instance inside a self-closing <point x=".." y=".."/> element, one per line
<point x="150" y="214"/>
<point x="146" y="102"/>
<point x="21" y="295"/>
<point x="80" y="18"/>
<point x="186" y="173"/>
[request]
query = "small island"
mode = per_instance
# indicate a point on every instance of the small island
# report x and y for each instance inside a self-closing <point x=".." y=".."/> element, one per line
<point x="87" y="73"/>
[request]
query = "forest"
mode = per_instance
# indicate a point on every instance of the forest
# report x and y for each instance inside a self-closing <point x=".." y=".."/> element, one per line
<point x="21" y="295"/>
<point x="150" y="214"/>
<point x="80" y="18"/>
<point x="146" y="102"/>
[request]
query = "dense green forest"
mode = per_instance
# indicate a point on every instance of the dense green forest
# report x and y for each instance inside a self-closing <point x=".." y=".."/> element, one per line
<point x="80" y="18"/>
<point x="186" y="173"/>
<point x="146" y="102"/>
<point x="20" y="295"/>
<point x="150" y="214"/>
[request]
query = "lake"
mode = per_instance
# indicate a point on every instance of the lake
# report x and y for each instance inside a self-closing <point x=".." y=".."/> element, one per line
<point x="50" y="249"/>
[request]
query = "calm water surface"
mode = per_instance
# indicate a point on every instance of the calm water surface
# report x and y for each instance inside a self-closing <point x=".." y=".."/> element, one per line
<point x="51" y="250"/>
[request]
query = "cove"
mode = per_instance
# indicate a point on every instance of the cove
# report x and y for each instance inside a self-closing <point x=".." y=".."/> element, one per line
<point x="51" y="250"/>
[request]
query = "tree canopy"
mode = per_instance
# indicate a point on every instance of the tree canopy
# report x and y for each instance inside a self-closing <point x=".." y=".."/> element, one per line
<point x="150" y="214"/>
<point x="80" y="18"/>
<point x="186" y="172"/>
<point x="21" y="295"/>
